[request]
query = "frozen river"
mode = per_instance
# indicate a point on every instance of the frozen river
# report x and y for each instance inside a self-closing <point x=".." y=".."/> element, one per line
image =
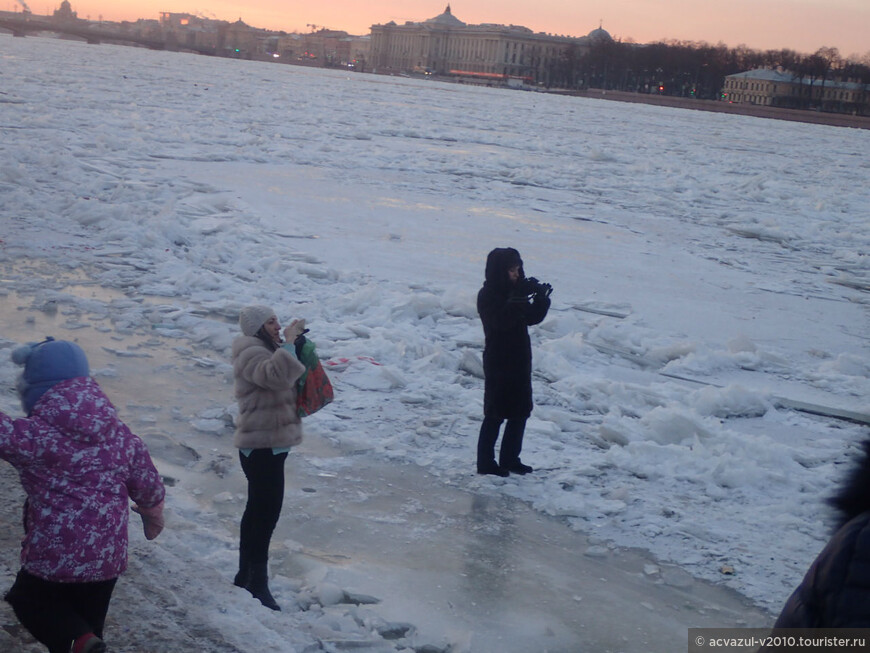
<point x="710" y="272"/>
<point x="472" y="568"/>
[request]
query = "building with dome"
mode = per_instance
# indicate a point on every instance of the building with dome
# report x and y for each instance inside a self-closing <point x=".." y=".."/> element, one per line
<point x="65" y="12"/>
<point x="599" y="34"/>
<point x="488" y="53"/>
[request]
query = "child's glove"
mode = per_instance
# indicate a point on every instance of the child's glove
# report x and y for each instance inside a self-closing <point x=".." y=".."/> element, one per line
<point x="152" y="519"/>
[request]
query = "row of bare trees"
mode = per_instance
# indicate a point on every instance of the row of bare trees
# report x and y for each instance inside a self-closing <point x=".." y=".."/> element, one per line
<point x="688" y="69"/>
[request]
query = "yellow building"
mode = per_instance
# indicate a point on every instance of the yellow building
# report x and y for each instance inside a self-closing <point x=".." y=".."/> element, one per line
<point x="444" y="45"/>
<point x="777" y="88"/>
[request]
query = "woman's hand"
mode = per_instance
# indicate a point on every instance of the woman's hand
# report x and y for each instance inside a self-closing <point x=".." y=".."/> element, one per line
<point x="296" y="329"/>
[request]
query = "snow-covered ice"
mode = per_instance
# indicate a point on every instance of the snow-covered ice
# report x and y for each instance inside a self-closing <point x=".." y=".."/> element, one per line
<point x="710" y="275"/>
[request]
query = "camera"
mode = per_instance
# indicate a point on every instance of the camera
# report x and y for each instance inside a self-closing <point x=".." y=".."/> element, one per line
<point x="532" y="286"/>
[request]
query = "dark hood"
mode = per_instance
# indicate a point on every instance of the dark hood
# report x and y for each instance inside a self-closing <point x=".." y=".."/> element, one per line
<point x="498" y="262"/>
<point x="854" y="496"/>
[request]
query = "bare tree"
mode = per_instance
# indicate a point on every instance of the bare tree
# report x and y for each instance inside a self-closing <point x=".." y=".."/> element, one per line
<point x="698" y="70"/>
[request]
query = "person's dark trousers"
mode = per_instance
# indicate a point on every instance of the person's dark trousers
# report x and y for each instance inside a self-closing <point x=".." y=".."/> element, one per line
<point x="511" y="443"/>
<point x="56" y="614"/>
<point x="486" y="442"/>
<point x="265" y="473"/>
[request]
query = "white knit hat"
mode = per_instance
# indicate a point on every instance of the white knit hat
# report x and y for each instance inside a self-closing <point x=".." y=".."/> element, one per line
<point x="253" y="317"/>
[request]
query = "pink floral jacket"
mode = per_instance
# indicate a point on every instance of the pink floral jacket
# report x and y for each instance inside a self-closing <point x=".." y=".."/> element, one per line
<point x="80" y="466"/>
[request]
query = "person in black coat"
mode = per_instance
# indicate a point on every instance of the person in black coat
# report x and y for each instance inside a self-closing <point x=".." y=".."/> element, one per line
<point x="508" y="304"/>
<point x="835" y="593"/>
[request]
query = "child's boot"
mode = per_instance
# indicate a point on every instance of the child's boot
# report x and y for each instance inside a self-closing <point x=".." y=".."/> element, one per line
<point x="89" y="643"/>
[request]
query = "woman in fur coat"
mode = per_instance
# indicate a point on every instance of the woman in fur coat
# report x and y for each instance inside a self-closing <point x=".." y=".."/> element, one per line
<point x="506" y="312"/>
<point x="835" y="593"/>
<point x="268" y="426"/>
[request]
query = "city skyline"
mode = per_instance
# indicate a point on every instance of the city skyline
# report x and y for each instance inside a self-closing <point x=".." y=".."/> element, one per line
<point x="801" y="25"/>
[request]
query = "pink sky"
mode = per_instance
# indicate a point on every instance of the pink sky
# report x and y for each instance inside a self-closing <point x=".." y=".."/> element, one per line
<point x="802" y="25"/>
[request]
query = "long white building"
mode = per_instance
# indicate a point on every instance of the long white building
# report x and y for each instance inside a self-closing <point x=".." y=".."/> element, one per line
<point x="444" y="45"/>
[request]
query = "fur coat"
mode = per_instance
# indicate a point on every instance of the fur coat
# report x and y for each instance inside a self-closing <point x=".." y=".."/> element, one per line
<point x="266" y="392"/>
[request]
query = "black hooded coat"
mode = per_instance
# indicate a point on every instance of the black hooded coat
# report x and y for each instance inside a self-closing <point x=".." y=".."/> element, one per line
<point x="506" y="314"/>
<point x="835" y="593"/>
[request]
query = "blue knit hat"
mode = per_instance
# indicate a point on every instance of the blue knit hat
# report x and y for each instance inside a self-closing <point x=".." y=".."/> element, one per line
<point x="45" y="364"/>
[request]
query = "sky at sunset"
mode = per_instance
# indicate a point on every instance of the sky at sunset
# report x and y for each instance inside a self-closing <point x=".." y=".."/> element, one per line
<point x="802" y="25"/>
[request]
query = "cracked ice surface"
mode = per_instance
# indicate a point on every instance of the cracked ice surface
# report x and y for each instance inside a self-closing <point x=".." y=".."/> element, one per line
<point x="147" y="196"/>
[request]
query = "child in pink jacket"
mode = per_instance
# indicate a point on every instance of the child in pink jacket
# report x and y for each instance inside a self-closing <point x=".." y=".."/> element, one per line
<point x="80" y="467"/>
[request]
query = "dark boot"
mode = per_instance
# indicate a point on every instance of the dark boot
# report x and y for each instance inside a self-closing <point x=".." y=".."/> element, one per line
<point x="519" y="468"/>
<point x="511" y="446"/>
<point x="486" y="446"/>
<point x="258" y="585"/>
<point x="493" y="469"/>
<point x="244" y="573"/>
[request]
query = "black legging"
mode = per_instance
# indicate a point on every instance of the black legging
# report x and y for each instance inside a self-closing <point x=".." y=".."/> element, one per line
<point x="57" y="614"/>
<point x="265" y="473"/>
<point x="511" y="442"/>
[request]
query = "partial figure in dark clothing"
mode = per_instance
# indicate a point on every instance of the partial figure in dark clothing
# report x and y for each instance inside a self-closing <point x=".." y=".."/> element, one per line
<point x="508" y="304"/>
<point x="835" y="593"/>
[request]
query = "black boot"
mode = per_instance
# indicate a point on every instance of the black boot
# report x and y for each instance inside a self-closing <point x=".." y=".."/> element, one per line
<point x="493" y="469"/>
<point x="258" y="585"/>
<point x="518" y="468"/>
<point x="244" y="573"/>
